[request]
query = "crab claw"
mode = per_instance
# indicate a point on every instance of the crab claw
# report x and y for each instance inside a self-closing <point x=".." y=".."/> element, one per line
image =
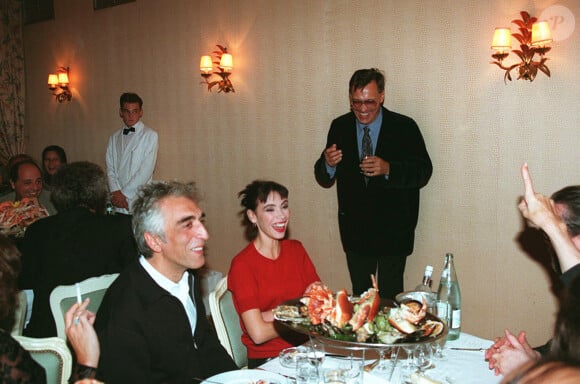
<point x="320" y="303"/>
<point x="342" y="311"/>
<point x="368" y="306"/>
<point x="402" y="325"/>
<point x="413" y="311"/>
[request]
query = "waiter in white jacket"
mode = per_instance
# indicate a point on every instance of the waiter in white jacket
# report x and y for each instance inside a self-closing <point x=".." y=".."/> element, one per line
<point x="131" y="154"/>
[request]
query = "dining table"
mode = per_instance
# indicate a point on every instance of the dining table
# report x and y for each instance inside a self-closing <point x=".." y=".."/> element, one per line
<point x="462" y="362"/>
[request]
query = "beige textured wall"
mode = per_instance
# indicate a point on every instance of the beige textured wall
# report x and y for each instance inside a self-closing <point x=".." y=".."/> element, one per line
<point x="292" y="62"/>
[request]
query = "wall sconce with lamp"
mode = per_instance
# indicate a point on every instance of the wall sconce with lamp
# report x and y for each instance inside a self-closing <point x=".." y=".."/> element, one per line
<point x="224" y="63"/>
<point x="534" y="37"/>
<point x="60" y="81"/>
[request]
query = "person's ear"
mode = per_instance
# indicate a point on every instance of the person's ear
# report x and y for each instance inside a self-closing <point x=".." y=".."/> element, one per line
<point x="12" y="185"/>
<point x="251" y="216"/>
<point x="153" y="241"/>
<point x="576" y="241"/>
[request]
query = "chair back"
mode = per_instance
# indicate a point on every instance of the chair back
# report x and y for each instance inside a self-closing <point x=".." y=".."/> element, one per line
<point x="63" y="296"/>
<point x="52" y="354"/>
<point x="20" y="314"/>
<point x="227" y="323"/>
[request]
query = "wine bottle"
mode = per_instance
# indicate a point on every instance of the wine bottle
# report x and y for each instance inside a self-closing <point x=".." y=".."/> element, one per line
<point x="449" y="295"/>
<point x="425" y="285"/>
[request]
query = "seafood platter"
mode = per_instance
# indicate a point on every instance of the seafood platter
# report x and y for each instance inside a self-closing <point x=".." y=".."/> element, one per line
<point x="361" y="322"/>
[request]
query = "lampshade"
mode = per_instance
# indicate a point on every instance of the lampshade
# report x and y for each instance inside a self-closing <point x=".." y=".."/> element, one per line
<point x="63" y="78"/>
<point x="541" y="33"/>
<point x="226" y="62"/>
<point x="52" y="80"/>
<point x="205" y="64"/>
<point x="502" y="39"/>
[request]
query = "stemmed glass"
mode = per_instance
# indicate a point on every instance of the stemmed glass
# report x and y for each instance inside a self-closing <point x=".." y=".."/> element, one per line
<point x="422" y="357"/>
<point x="383" y="367"/>
<point x="438" y="349"/>
<point x="408" y="369"/>
<point x="316" y="354"/>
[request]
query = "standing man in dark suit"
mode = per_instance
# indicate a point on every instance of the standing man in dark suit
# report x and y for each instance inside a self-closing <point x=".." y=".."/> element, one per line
<point x="79" y="242"/>
<point x="379" y="161"/>
<point x="152" y="325"/>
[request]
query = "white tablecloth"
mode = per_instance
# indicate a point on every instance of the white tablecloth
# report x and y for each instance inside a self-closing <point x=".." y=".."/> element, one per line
<point x="458" y="367"/>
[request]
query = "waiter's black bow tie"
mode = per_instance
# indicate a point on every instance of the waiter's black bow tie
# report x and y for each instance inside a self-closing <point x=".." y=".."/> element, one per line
<point x="127" y="130"/>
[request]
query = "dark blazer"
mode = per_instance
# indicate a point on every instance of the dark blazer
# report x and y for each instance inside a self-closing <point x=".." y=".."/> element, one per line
<point x="382" y="216"/>
<point x="146" y="337"/>
<point x="69" y="247"/>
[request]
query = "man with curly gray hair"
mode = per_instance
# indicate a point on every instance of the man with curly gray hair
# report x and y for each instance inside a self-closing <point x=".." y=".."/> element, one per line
<point x="79" y="242"/>
<point x="150" y="326"/>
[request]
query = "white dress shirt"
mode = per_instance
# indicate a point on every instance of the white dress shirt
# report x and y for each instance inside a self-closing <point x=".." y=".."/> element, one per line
<point x="179" y="290"/>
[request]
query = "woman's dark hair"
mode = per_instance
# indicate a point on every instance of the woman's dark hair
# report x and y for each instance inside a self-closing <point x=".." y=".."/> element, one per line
<point x="257" y="192"/>
<point x="80" y="184"/>
<point x="59" y="151"/>
<point x="570" y="197"/>
<point x="9" y="270"/>
<point x="566" y="342"/>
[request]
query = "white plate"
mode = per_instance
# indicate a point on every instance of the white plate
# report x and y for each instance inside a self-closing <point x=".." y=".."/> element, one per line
<point x="246" y="376"/>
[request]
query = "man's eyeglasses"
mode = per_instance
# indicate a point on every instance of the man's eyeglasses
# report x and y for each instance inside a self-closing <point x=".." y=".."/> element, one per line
<point x="371" y="103"/>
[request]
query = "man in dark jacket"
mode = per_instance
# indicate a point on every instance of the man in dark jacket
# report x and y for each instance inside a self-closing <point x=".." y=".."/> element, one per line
<point x="379" y="161"/>
<point x="152" y="325"/>
<point x="79" y="242"/>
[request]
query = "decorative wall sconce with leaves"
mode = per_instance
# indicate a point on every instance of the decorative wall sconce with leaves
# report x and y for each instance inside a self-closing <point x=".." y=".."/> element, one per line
<point x="224" y="64"/>
<point x="534" y="38"/>
<point x="58" y="83"/>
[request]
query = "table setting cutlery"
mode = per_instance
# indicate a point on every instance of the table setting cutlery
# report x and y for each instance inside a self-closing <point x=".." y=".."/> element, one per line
<point x="468" y="349"/>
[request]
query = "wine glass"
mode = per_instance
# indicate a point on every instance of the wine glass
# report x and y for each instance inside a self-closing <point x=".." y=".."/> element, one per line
<point x="409" y="366"/>
<point x="437" y="349"/>
<point x="422" y="357"/>
<point x="385" y="367"/>
<point x="316" y="354"/>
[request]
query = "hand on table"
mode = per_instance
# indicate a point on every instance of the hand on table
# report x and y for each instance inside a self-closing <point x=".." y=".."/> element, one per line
<point x="509" y="353"/>
<point x="81" y="334"/>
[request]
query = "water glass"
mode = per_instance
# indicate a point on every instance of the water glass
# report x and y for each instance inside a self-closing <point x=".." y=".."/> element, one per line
<point x="353" y="371"/>
<point x="306" y="373"/>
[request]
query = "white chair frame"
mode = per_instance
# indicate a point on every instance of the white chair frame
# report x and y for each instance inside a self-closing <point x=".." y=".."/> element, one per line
<point x="48" y="346"/>
<point x="63" y="296"/>
<point x="227" y="335"/>
<point x="20" y="314"/>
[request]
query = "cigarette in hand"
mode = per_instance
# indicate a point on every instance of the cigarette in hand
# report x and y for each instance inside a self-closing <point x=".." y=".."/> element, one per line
<point x="78" y="287"/>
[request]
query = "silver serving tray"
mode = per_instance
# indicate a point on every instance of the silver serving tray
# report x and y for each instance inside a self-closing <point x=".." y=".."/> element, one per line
<point x="355" y="345"/>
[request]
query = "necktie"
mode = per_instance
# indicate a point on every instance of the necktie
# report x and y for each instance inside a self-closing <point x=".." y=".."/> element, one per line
<point x="367" y="148"/>
<point x="367" y="144"/>
<point x="127" y="130"/>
